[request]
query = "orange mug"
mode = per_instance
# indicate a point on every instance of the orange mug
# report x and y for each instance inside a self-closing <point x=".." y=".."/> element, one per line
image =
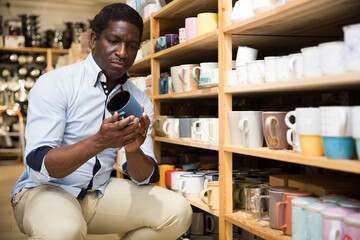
<point x="162" y="169"/>
<point x="287" y="197"/>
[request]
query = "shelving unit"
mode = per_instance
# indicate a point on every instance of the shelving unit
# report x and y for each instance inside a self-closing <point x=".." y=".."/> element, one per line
<point x="48" y="51"/>
<point x="297" y="24"/>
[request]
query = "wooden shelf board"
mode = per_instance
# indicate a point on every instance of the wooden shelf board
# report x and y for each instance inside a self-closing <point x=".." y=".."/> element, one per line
<point x="200" y="49"/>
<point x="301" y="17"/>
<point x="200" y="93"/>
<point x="346" y="165"/>
<point x="260" y="228"/>
<point x="196" y="201"/>
<point x="186" y="8"/>
<point x="187" y="142"/>
<point x="340" y="81"/>
<point x="141" y="66"/>
<point x="38" y="50"/>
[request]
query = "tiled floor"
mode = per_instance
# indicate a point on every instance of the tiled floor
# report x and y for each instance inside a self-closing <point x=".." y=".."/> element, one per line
<point x="8" y="228"/>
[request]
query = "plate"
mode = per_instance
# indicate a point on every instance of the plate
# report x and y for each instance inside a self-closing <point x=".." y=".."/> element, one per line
<point x="208" y="85"/>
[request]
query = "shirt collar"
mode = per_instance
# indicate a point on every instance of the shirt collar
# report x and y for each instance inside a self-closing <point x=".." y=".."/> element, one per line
<point x="95" y="73"/>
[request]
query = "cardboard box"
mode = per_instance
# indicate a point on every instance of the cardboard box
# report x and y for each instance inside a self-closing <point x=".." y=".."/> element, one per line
<point x="14" y="41"/>
<point x="278" y="180"/>
<point x="322" y="189"/>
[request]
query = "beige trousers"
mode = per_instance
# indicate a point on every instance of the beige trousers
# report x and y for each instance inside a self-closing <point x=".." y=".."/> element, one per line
<point x="143" y="212"/>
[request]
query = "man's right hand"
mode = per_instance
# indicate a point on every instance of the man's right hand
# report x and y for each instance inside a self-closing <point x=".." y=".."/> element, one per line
<point x="114" y="133"/>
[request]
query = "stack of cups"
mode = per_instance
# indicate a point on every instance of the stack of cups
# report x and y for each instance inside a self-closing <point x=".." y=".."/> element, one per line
<point x="244" y="55"/>
<point x="307" y="129"/>
<point x="335" y="128"/>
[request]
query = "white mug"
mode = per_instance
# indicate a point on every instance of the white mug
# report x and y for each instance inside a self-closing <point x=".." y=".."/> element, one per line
<point x="241" y="73"/>
<point x="243" y="9"/>
<point x="270" y="69"/>
<point x="282" y="65"/>
<point x="191" y="184"/>
<point x="245" y="55"/>
<point x="311" y="62"/>
<point x="250" y="125"/>
<point x="231" y="78"/>
<point x="296" y="65"/>
<point x="175" y="181"/>
<point x="265" y="5"/>
<point x="203" y="130"/>
<point x="213" y="133"/>
<point x="351" y="38"/>
<point x="255" y="71"/>
<point x="335" y="121"/>
<point x="182" y="35"/>
<point x="332" y="57"/>
<point x="176" y="82"/>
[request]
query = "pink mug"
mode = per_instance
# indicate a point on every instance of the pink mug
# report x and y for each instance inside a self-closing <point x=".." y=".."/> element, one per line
<point x="191" y="28"/>
<point x="332" y="222"/>
<point x="352" y="226"/>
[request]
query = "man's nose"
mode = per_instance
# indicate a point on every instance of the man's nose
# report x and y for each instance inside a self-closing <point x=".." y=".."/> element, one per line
<point x="121" y="51"/>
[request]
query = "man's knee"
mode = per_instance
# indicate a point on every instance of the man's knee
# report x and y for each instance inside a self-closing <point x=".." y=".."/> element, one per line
<point x="57" y="229"/>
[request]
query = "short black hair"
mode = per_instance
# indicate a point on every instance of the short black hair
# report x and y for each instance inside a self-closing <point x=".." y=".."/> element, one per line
<point x="116" y="12"/>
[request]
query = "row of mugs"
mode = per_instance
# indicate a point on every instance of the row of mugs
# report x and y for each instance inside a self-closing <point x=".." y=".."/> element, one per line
<point x="328" y="130"/>
<point x="325" y="59"/>
<point x="306" y="217"/>
<point x="189" y="77"/>
<point x="166" y="41"/>
<point x="197" y="129"/>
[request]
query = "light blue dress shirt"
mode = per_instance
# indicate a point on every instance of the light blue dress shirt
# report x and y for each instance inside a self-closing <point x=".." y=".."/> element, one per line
<point x="66" y="106"/>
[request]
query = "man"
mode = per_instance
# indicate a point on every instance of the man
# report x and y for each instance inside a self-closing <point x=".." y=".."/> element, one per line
<point x="72" y="140"/>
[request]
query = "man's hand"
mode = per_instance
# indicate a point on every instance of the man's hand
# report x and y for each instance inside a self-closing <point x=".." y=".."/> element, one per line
<point x="142" y="129"/>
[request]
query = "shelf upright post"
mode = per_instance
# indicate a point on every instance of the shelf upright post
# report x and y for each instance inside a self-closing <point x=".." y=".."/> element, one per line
<point x="49" y="60"/>
<point x="155" y="75"/>
<point x="225" y="104"/>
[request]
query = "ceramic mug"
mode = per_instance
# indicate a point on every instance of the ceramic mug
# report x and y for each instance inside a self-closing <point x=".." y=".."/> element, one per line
<point x="162" y="169"/>
<point x="314" y="223"/>
<point x="243" y="9"/>
<point x="333" y="226"/>
<point x="356" y="128"/>
<point x="197" y="226"/>
<point x="245" y="54"/>
<point x="286" y="227"/>
<point x="125" y="104"/>
<point x="182" y="35"/>
<point x="335" y="129"/>
<point x="239" y="191"/>
<point x="311" y="61"/>
<point x="204" y="69"/>
<point x="299" y="216"/>
<point x="171" y="40"/>
<point x="332" y="57"/>
<point x="206" y="22"/>
<point x="235" y="133"/>
<point x="352" y="51"/>
<point x="251" y="129"/>
<point x="175" y="180"/>
<point x="176" y="82"/>
<point x="275" y="129"/>
<point x="270" y="69"/>
<point x="255" y="71"/>
<point x="307" y="127"/>
<point x="186" y="77"/>
<point x="352" y="226"/>
<point x="191" y="184"/>
<point x="191" y="28"/>
<point x="163" y="86"/>
<point x="158" y="124"/>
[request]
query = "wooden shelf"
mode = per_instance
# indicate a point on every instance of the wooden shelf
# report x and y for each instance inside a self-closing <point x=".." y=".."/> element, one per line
<point x="346" y="165"/>
<point x="141" y="66"/>
<point x="196" y="201"/>
<point x="203" y="48"/>
<point x="340" y="81"/>
<point x="35" y="50"/>
<point x="260" y="228"/>
<point x="301" y="18"/>
<point x="181" y="9"/>
<point x="187" y="142"/>
<point x="146" y="29"/>
<point x="201" y="93"/>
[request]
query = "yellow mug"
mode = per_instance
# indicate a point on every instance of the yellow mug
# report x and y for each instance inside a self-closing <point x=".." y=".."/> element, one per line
<point x="206" y="22"/>
<point x="162" y="169"/>
<point x="311" y="145"/>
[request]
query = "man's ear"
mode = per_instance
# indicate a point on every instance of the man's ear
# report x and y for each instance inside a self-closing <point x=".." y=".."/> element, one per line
<point x="92" y="40"/>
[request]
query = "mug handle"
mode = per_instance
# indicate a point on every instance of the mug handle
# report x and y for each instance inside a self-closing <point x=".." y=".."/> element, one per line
<point x="165" y="127"/>
<point x="237" y="193"/>
<point x="182" y="187"/>
<point x="209" y="227"/>
<point x="212" y="139"/>
<point x="343" y="122"/>
<point x="194" y="75"/>
<point x="287" y="119"/>
<point x="334" y="234"/>
<point x="277" y="218"/>
<point x="203" y="198"/>
<point x="194" y="127"/>
<point x="290" y="137"/>
<point x="180" y="73"/>
<point x="269" y="122"/>
<point x="244" y="126"/>
<point x="260" y="198"/>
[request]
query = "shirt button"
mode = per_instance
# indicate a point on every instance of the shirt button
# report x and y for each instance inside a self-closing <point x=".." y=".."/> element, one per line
<point x="105" y="86"/>
<point x="106" y="91"/>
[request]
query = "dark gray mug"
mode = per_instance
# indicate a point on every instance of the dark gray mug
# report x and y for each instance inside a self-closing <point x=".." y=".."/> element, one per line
<point x="125" y="104"/>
